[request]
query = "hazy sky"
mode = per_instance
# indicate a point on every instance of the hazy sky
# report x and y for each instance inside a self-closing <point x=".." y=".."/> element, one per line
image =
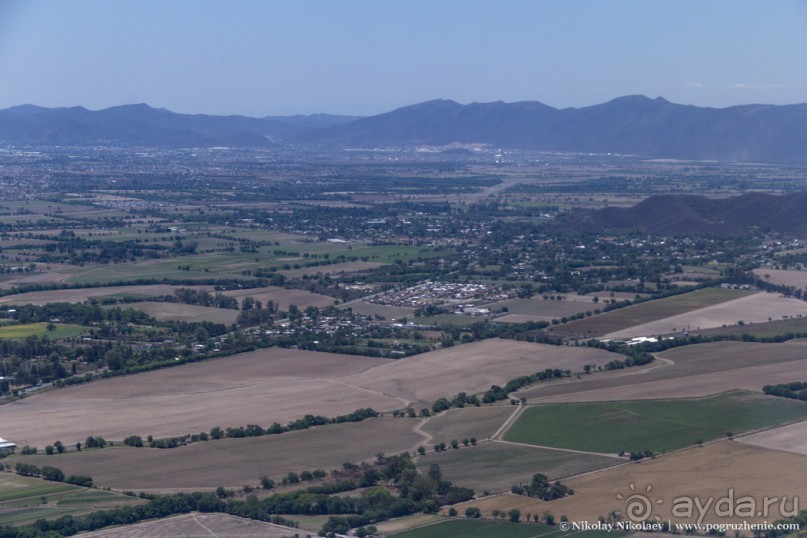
<point x="369" y="56"/>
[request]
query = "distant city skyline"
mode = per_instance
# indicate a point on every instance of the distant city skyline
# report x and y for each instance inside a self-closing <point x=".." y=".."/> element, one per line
<point x="363" y="57"/>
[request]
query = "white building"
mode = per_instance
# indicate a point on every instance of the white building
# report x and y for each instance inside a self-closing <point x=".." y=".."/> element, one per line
<point x="7" y="445"/>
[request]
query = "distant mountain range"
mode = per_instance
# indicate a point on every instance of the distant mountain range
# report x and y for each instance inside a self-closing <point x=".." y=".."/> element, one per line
<point x="141" y="125"/>
<point x="633" y="125"/>
<point x="697" y="215"/>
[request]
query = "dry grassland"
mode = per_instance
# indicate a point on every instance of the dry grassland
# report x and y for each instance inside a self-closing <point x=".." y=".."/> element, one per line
<point x="260" y="387"/>
<point x="791" y="438"/>
<point x="195" y="524"/>
<point x="236" y="462"/>
<point x="283" y="297"/>
<point x="710" y="471"/>
<point x="667" y="374"/>
<point x="757" y="308"/>
<point x="471" y="368"/>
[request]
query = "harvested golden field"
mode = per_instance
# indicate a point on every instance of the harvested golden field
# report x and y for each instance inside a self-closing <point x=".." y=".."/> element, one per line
<point x="707" y="472"/>
<point x="185" y="312"/>
<point x="233" y="463"/>
<point x="756" y="308"/>
<point x="83" y="294"/>
<point x="196" y="524"/>
<point x="471" y="368"/>
<point x="674" y="369"/>
<point x="260" y="387"/>
<point x="790" y="438"/>
<point x="283" y="297"/>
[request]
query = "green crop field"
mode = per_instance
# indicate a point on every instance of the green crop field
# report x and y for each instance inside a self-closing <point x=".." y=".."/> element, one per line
<point x="483" y="528"/>
<point x="40" y="329"/>
<point x="657" y="425"/>
<point x="23" y="500"/>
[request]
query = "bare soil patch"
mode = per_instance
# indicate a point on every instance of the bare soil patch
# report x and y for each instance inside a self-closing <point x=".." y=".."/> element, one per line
<point x="260" y="387"/>
<point x="471" y="368"/>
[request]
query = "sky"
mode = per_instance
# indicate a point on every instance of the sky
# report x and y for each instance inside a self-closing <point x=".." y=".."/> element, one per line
<point x="363" y="57"/>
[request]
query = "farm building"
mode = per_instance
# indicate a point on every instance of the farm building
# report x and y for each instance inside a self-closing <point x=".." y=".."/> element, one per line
<point x="7" y="445"/>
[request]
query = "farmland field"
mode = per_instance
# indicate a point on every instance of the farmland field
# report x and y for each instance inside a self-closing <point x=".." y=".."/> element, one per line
<point x="657" y="425"/>
<point x="185" y="312"/>
<point x="258" y="387"/>
<point x="386" y="311"/>
<point x="752" y="378"/>
<point x="709" y="471"/>
<point x="283" y="297"/>
<point x="475" y="528"/>
<point x="471" y="368"/>
<point x="23" y="500"/>
<point x="480" y="422"/>
<point x="40" y="329"/>
<point x="646" y="312"/>
<point x="196" y="524"/>
<point x="538" y="309"/>
<point x="751" y="309"/>
<point x="708" y="369"/>
<point x="496" y="466"/>
<point x="235" y="462"/>
<point x="83" y="294"/>
<point x="790" y="438"/>
<point x="785" y="277"/>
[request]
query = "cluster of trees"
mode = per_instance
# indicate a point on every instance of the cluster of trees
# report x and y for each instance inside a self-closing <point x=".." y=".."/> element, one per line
<point x="51" y="473"/>
<point x="254" y="430"/>
<point x="635" y="358"/>
<point x="796" y="390"/>
<point x="157" y="507"/>
<point x="203" y="298"/>
<point x="496" y="393"/>
<point x="541" y="488"/>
